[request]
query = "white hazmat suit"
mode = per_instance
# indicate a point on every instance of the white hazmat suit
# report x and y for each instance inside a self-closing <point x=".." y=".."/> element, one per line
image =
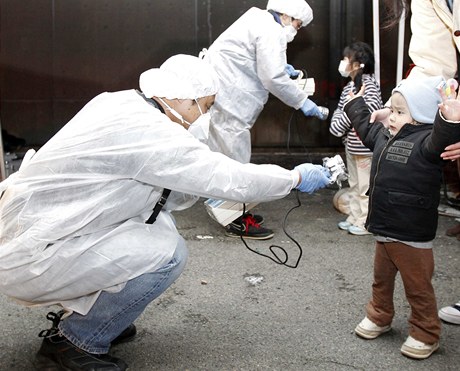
<point x="73" y="217"/>
<point x="250" y="60"/>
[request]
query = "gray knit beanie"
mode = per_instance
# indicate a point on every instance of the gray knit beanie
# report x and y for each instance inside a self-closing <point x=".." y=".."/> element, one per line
<point x="422" y="97"/>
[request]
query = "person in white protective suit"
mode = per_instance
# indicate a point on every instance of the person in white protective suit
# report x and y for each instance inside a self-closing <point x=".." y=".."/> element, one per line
<point x="250" y="60"/>
<point x="73" y="218"/>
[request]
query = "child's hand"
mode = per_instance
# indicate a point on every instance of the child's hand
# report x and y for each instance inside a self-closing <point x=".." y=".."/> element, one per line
<point x="381" y="115"/>
<point x="450" y="106"/>
<point x="360" y="93"/>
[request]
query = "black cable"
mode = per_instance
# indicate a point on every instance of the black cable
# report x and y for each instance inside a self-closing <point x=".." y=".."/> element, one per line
<point x="293" y="120"/>
<point x="289" y="131"/>
<point x="278" y="260"/>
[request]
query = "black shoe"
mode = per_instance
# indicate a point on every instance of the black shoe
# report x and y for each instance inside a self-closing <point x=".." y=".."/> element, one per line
<point x="127" y="335"/>
<point x="57" y="353"/>
<point x="248" y="229"/>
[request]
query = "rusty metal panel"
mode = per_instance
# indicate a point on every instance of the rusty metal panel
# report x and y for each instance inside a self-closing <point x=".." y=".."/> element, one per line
<point x="105" y="45"/>
<point x="58" y="54"/>
<point x="26" y="41"/>
<point x="25" y="77"/>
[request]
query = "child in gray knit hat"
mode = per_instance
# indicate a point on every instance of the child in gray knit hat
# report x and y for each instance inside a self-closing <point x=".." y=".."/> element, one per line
<point x="404" y="195"/>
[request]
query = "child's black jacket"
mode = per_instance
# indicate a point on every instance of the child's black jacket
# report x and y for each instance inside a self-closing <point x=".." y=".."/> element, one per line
<point x="406" y="173"/>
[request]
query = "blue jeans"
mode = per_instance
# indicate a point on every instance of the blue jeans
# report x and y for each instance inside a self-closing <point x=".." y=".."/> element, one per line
<point x="114" y="312"/>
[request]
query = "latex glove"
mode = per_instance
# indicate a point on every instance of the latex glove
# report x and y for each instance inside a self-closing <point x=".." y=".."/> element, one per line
<point x="291" y="71"/>
<point x="312" y="177"/>
<point x="311" y="109"/>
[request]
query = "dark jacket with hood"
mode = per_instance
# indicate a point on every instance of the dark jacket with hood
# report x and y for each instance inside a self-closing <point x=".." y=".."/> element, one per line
<point x="404" y="190"/>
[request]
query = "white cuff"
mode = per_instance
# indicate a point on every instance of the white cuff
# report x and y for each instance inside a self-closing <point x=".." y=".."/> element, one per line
<point x="452" y="122"/>
<point x="295" y="178"/>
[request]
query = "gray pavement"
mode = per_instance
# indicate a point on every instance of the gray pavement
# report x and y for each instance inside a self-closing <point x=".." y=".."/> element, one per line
<point x="235" y="310"/>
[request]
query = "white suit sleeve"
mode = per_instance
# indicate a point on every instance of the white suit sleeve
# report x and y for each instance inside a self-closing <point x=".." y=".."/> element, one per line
<point x="271" y="62"/>
<point x="180" y="162"/>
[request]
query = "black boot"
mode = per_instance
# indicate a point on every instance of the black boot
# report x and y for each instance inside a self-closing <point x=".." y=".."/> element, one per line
<point x="57" y="353"/>
<point x="127" y="335"/>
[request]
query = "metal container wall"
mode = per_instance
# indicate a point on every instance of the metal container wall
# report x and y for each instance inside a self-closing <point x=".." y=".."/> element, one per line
<point x="58" y="54"/>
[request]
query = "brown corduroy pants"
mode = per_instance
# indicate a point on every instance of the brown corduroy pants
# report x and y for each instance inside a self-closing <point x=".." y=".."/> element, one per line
<point x="416" y="268"/>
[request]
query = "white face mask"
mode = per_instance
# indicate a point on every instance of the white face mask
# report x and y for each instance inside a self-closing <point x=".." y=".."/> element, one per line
<point x="343" y="68"/>
<point x="200" y="128"/>
<point x="289" y="32"/>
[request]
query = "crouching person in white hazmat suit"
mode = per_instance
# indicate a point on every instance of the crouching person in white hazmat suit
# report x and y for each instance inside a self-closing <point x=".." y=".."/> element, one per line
<point x="251" y="62"/>
<point x="73" y="218"/>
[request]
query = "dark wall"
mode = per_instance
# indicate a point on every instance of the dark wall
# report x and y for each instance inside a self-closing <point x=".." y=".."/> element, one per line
<point x="58" y="54"/>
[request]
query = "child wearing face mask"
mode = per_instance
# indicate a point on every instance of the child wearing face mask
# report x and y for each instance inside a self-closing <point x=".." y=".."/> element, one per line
<point x="404" y="195"/>
<point x="358" y="65"/>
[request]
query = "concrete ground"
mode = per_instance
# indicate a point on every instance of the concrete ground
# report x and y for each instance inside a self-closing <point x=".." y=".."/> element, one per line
<point x="234" y="310"/>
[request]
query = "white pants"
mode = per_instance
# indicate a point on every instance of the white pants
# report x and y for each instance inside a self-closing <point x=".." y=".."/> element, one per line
<point x="359" y="170"/>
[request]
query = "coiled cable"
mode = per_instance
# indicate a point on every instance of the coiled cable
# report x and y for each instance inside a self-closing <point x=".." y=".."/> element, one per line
<point x="275" y="249"/>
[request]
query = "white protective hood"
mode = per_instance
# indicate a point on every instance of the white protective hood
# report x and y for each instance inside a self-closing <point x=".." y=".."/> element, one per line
<point x="180" y="77"/>
<point x="298" y="9"/>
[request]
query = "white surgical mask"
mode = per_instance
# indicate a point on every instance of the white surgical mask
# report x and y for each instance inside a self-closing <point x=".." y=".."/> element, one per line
<point x="200" y="128"/>
<point x="289" y="32"/>
<point x="343" y="68"/>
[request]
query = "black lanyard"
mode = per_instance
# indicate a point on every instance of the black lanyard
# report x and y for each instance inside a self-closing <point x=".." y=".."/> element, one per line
<point x="159" y="205"/>
<point x="164" y="196"/>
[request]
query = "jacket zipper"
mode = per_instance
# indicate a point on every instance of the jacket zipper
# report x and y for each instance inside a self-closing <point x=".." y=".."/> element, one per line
<point x="390" y="140"/>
